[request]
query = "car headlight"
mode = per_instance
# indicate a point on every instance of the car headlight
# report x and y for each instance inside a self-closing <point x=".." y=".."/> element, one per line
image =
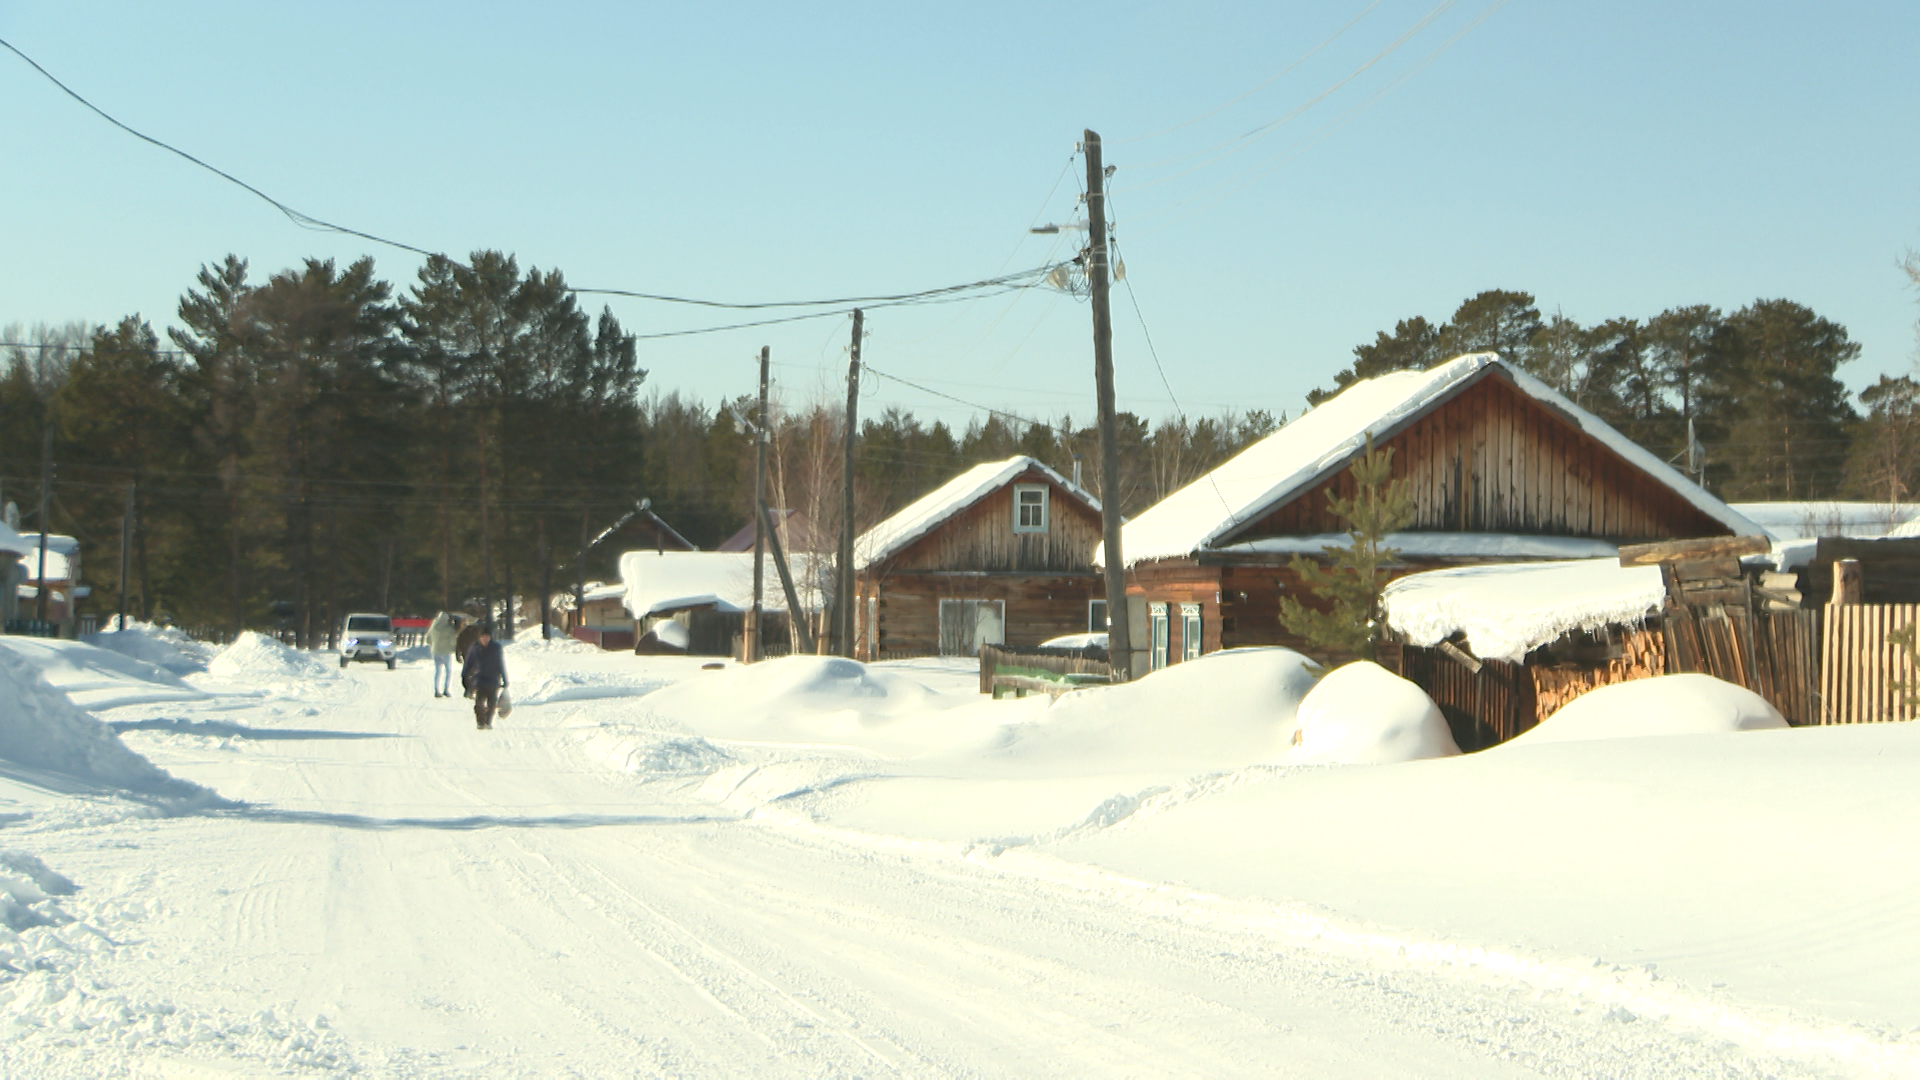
<point x="352" y="641"/>
<point x="386" y="643"/>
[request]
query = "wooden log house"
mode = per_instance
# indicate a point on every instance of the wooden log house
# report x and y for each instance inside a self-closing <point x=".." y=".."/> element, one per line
<point x="1001" y="554"/>
<point x="1500" y="467"/>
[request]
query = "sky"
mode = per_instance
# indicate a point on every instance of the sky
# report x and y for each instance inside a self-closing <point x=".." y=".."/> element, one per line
<point x="1612" y="159"/>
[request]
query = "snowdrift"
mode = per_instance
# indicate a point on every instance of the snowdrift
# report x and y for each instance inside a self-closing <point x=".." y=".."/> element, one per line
<point x="1363" y="714"/>
<point x="162" y="646"/>
<point x="1222" y="711"/>
<point x="96" y="678"/>
<point x="255" y="656"/>
<point x="1667" y="705"/>
<point x="41" y="729"/>
<point x="821" y="701"/>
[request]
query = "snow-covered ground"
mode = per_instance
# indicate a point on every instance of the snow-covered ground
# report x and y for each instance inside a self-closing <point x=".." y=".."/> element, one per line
<point x="256" y="862"/>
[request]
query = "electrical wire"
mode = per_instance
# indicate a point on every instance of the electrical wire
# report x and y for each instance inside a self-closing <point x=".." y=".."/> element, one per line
<point x="1308" y="55"/>
<point x="309" y="221"/>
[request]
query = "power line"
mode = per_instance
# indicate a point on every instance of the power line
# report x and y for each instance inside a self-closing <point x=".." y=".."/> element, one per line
<point x="308" y="221"/>
<point x="1304" y="57"/>
<point x="963" y="401"/>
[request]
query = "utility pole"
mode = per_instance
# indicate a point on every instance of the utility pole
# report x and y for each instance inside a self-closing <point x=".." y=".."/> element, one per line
<point x="46" y="493"/>
<point x="843" y="599"/>
<point x="1119" y="644"/>
<point x="126" y="549"/>
<point x="580" y="576"/>
<point x="750" y="648"/>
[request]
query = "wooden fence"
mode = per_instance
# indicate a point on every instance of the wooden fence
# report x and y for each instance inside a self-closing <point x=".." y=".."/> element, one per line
<point x="1865" y="676"/>
<point x="1482" y="707"/>
<point x="1032" y="667"/>
<point x="1773" y="653"/>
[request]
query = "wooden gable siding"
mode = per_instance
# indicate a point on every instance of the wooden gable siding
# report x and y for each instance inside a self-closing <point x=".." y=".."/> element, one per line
<point x="981" y="537"/>
<point x="1495" y="460"/>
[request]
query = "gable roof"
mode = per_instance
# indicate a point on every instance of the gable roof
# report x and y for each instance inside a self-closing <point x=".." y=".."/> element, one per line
<point x="1325" y="440"/>
<point x="929" y="511"/>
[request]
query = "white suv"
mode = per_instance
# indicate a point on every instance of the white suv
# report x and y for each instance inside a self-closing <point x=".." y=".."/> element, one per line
<point x="367" y="637"/>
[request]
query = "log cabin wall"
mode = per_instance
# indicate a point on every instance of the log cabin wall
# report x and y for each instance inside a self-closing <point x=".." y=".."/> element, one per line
<point x="1038" y="607"/>
<point x="981" y="537"/>
<point x="1492" y="459"/>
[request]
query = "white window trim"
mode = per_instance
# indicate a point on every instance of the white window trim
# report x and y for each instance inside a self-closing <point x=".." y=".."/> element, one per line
<point x="1159" y="635"/>
<point x="1045" y="498"/>
<point x="1190" y="643"/>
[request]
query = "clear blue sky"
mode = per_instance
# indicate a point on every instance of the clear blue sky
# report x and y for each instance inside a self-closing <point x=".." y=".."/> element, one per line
<point x="1611" y="158"/>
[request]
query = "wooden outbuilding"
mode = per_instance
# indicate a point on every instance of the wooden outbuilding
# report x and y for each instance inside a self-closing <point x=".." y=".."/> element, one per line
<point x="1000" y="555"/>
<point x="1500" y="467"/>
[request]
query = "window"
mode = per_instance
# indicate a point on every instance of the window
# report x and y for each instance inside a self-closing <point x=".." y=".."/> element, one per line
<point x="1029" y="508"/>
<point x="965" y="625"/>
<point x="1096" y="616"/>
<point x="1189" y="631"/>
<point x="1157" y="614"/>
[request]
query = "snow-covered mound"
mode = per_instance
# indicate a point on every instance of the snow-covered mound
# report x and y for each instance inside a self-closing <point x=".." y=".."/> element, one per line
<point x="815" y="700"/>
<point x="1363" y="714"/>
<point x="1222" y="711"/>
<point x="1667" y="705"/>
<point x="96" y="678"/>
<point x="162" y="646"/>
<point x="41" y="729"/>
<point x="257" y="656"/>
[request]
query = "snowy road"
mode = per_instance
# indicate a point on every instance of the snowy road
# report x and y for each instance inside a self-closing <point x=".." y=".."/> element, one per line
<point x="404" y="895"/>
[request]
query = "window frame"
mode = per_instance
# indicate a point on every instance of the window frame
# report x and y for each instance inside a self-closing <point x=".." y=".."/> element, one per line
<point x="1046" y="498"/>
<point x="1158" y="629"/>
<point x="1190" y="632"/>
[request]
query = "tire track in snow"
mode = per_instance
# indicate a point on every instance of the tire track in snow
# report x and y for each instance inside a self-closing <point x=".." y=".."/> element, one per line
<point x="786" y="1000"/>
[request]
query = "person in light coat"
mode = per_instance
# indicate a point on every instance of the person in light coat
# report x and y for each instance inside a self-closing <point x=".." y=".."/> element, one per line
<point x="441" y="637"/>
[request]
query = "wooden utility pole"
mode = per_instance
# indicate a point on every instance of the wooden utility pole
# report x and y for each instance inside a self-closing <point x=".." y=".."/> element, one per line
<point x="750" y="647"/>
<point x="46" y="494"/>
<point x="1119" y="644"/>
<point x="580" y="576"/>
<point x="843" y="599"/>
<point x="126" y="552"/>
<point x="796" y="617"/>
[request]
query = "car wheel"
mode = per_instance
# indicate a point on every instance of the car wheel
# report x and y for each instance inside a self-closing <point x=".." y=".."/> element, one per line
<point x="343" y="661"/>
<point x="390" y="662"/>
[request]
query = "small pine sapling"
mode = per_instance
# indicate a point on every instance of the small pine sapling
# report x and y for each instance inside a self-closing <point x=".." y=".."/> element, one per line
<point x="1352" y="582"/>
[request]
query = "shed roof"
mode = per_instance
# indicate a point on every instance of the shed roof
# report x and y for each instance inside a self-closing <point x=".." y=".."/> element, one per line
<point x="658" y="582"/>
<point x="1209" y="511"/>
<point x="929" y="511"/>
<point x="1507" y="610"/>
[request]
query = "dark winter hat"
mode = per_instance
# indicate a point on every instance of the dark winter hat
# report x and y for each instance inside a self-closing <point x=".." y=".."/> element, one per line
<point x="487" y="629"/>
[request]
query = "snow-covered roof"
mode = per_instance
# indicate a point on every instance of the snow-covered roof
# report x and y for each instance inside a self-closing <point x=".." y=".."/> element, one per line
<point x="58" y="567"/>
<point x="657" y="582"/>
<point x="1438" y="545"/>
<point x="926" y="513"/>
<point x="1507" y="610"/>
<point x="1786" y="521"/>
<point x="603" y="592"/>
<point x="1326" y="438"/>
<point x="12" y="543"/>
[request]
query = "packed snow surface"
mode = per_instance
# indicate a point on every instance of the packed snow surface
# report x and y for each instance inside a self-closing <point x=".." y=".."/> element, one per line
<point x="1363" y="714"/>
<point x="1666" y="705"/>
<point x="1507" y="610"/>
<point x="1327" y="437"/>
<point x="1785" y="521"/>
<point x="814" y="867"/>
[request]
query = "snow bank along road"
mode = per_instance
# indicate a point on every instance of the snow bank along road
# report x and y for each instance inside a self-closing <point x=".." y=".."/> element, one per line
<point x="398" y="894"/>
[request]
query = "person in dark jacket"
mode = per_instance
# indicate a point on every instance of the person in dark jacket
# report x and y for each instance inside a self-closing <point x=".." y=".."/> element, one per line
<point x="484" y="675"/>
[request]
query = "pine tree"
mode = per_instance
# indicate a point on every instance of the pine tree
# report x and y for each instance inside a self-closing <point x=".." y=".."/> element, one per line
<point x="1351" y="586"/>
